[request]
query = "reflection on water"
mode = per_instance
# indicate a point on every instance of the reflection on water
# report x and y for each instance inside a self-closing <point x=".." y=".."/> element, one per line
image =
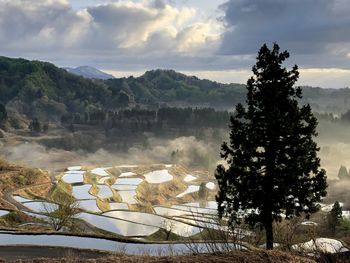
<point x="118" y="226"/>
<point x="128" y="181"/>
<point x="41" y="207"/>
<point x="3" y="212"/>
<point x="104" y="191"/>
<point x="82" y="191"/>
<point x="102" y="244"/>
<point x="156" y="220"/>
<point x="89" y="205"/>
<point x="159" y="176"/>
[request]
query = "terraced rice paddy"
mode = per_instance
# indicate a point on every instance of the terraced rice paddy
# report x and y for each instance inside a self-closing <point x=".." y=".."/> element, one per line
<point x="82" y="192"/>
<point x="127" y="174"/>
<point x="104" y="191"/>
<point x="89" y="205"/>
<point x="128" y="197"/>
<point x="72" y="177"/>
<point x="189" y="190"/>
<point x="40" y="207"/>
<point x="114" y="199"/>
<point x="21" y="199"/>
<point x="3" y="212"/>
<point x="118" y="206"/>
<point x="189" y="178"/>
<point x="159" y="176"/>
<point x="117" y="226"/>
<point x="131" y="201"/>
<point x="100" y="171"/>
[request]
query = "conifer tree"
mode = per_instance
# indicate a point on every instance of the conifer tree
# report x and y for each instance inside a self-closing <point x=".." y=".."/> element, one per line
<point x="273" y="168"/>
<point x="335" y="217"/>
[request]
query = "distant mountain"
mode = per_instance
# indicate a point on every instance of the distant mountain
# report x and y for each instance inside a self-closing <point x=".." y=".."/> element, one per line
<point x="89" y="72"/>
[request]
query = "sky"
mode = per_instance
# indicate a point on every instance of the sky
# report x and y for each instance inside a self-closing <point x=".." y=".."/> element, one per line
<point x="214" y="39"/>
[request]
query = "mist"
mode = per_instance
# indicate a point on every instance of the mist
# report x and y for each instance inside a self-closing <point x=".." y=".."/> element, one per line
<point x="187" y="151"/>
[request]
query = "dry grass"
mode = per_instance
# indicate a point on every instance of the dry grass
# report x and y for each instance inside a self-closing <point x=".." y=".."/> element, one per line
<point x="14" y="177"/>
<point x="90" y="178"/>
<point x="103" y="205"/>
<point x="234" y="257"/>
<point x="94" y="190"/>
<point x="116" y="196"/>
<point x="114" y="171"/>
<point x="161" y="194"/>
<point x="60" y="191"/>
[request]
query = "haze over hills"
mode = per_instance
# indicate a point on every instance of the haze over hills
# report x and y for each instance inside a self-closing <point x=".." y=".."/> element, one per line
<point x="89" y="72"/>
<point x="40" y="89"/>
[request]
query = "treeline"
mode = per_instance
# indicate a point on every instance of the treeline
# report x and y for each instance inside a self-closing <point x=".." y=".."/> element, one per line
<point x="344" y="118"/>
<point x="164" y="120"/>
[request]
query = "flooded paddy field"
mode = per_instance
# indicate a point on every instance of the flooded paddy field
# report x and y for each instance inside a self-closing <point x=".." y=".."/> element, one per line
<point x="126" y="200"/>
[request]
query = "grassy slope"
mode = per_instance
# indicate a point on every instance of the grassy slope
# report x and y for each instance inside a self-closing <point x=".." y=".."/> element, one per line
<point x="14" y="177"/>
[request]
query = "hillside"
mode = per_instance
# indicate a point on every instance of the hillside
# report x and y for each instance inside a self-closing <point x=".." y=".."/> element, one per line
<point x="42" y="90"/>
<point x="15" y="177"/>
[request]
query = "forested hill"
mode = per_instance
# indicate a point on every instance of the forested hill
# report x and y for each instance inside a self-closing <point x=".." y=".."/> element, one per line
<point x="43" y="90"/>
<point x="40" y="89"/>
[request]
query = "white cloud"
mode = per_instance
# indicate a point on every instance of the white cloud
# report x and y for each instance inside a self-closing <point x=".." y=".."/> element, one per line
<point x="115" y="27"/>
<point x="138" y="35"/>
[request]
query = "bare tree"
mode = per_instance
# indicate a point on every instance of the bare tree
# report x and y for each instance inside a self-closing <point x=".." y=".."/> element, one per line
<point x="61" y="215"/>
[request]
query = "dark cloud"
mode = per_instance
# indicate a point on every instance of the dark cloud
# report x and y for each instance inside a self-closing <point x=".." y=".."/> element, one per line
<point x="303" y="27"/>
<point x="134" y="35"/>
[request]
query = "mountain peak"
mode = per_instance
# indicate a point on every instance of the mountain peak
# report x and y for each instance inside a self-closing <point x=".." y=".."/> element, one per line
<point x="89" y="72"/>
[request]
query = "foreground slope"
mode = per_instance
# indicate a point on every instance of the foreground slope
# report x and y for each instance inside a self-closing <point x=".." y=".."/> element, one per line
<point x="48" y="255"/>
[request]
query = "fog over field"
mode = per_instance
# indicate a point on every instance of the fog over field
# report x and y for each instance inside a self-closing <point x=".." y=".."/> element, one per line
<point x="157" y="151"/>
<point x="333" y="140"/>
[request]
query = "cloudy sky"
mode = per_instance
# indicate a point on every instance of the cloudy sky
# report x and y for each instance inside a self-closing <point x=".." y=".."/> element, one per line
<point x="214" y="39"/>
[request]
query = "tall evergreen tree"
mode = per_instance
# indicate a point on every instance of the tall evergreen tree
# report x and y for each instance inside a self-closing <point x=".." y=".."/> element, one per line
<point x="273" y="164"/>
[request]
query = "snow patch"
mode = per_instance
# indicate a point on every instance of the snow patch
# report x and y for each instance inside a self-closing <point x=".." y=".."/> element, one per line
<point x="327" y="245"/>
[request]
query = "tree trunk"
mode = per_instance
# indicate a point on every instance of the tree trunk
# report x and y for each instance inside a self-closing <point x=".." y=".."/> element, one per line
<point x="269" y="235"/>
